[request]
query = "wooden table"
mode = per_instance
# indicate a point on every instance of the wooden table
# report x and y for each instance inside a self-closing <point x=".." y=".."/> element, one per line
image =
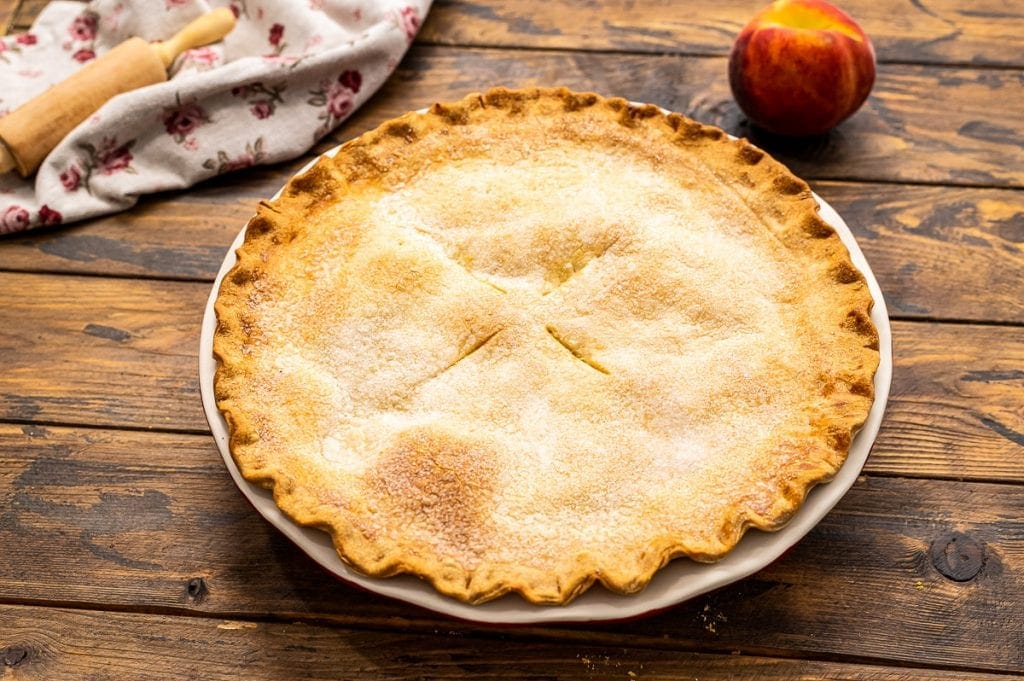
<point x="126" y="552"/>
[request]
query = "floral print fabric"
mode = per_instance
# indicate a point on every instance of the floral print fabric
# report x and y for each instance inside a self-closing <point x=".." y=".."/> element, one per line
<point x="287" y="75"/>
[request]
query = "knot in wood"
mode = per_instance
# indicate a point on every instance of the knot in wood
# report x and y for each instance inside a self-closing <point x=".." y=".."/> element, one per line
<point x="957" y="556"/>
<point x="196" y="590"/>
<point x="13" y="656"/>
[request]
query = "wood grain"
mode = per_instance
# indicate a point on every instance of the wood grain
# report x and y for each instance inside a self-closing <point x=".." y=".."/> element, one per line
<point x="136" y="520"/>
<point x="921" y="124"/>
<point x="25" y="14"/>
<point x="184" y="236"/>
<point x="100" y="351"/>
<point x="937" y="31"/>
<point x="172" y="235"/>
<point x="955" y="409"/>
<point x="127" y="552"/>
<point x="46" y="644"/>
<point x="7" y="10"/>
<point x="925" y="31"/>
<point x="938" y="253"/>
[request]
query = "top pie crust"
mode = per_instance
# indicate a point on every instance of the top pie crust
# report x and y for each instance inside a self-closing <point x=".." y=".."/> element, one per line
<point x="536" y="339"/>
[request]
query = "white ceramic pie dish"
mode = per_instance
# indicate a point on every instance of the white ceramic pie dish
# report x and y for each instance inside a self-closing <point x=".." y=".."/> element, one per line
<point x="677" y="582"/>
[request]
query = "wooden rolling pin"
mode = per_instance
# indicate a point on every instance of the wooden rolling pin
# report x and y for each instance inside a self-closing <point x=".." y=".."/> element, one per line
<point x="32" y="130"/>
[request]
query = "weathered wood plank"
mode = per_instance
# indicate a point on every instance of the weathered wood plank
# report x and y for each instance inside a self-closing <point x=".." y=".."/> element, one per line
<point x="989" y="32"/>
<point x="179" y="235"/>
<point x="25" y="14"/>
<point x="936" y="31"/>
<point x="171" y="235"/>
<point x="100" y="351"/>
<point x="7" y="10"/>
<point x="921" y="124"/>
<point x="125" y="519"/>
<point x="122" y="353"/>
<point x="948" y="443"/>
<point x="185" y="237"/>
<point x="135" y="519"/>
<point x="955" y="407"/>
<point x="938" y="252"/>
<point x="46" y="644"/>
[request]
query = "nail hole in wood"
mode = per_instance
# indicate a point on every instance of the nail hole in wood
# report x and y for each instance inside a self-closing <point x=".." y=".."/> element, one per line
<point x="196" y="590"/>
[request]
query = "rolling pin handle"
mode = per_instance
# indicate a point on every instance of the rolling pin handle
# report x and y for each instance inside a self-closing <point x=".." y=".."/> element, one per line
<point x="7" y="160"/>
<point x="209" y="28"/>
<point x="30" y="132"/>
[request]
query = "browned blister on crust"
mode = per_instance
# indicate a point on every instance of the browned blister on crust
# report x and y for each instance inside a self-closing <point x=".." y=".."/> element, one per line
<point x="538" y="339"/>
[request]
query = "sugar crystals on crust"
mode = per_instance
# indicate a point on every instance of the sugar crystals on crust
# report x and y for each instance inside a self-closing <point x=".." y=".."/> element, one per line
<point x="536" y="339"/>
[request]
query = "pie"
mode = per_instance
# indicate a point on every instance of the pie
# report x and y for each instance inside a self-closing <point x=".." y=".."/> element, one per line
<point x="538" y="339"/>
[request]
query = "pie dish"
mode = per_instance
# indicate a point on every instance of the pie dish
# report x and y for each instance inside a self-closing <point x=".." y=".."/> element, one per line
<point x="537" y="339"/>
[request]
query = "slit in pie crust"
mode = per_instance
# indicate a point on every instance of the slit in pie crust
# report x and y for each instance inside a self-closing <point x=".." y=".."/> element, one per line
<point x="538" y="339"/>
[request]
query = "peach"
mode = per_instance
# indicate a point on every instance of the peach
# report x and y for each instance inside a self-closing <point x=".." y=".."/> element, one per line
<point x="800" y="67"/>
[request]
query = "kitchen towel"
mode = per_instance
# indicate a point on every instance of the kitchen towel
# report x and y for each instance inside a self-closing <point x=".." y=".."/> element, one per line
<point x="289" y="73"/>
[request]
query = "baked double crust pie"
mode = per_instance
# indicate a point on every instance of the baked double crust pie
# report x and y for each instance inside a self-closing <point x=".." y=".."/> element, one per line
<point x="536" y="339"/>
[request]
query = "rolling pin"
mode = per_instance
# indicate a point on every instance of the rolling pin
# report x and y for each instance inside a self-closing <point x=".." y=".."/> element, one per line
<point x="31" y="131"/>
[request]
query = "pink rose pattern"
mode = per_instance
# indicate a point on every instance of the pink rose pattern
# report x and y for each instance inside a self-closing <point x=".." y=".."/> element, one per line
<point x="339" y="102"/>
<point x="276" y="33"/>
<point x="110" y="157"/>
<point x="202" y="58"/>
<point x="262" y="100"/>
<point x="113" y="154"/>
<point x="276" y="39"/>
<point x="82" y="34"/>
<point x="338" y="99"/>
<point x="14" y="219"/>
<point x="224" y="163"/>
<point x="351" y="79"/>
<point x="48" y="216"/>
<point x="409" y="21"/>
<point x="262" y="109"/>
<point x="181" y="120"/>
<point x="19" y="42"/>
<point x="83" y="28"/>
<point x="114" y="157"/>
<point x="71" y="178"/>
<point x="239" y="8"/>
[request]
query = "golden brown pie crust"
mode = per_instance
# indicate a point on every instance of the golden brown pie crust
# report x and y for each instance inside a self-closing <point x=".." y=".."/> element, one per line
<point x="536" y="339"/>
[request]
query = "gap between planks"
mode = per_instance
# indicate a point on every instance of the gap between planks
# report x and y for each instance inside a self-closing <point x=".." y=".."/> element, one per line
<point x="522" y="634"/>
<point x="15" y="24"/>
<point x="100" y="427"/>
<point x="696" y="54"/>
